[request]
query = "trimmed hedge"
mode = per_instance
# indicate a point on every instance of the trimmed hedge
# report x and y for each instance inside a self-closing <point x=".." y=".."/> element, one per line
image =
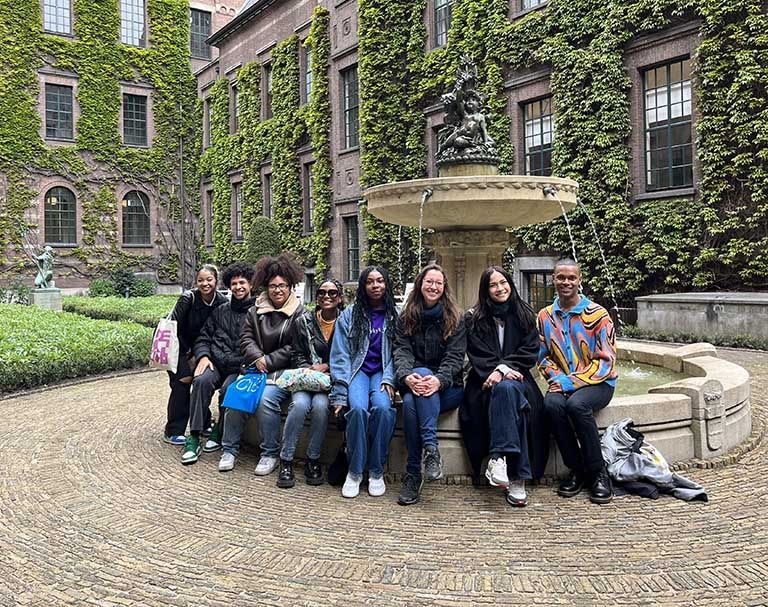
<point x="143" y="310"/>
<point x="40" y="347"/>
<point x="747" y="342"/>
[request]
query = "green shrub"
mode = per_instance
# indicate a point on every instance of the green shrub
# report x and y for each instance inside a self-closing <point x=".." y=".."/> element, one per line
<point x="143" y="288"/>
<point x="17" y="292"/>
<point x="102" y="287"/>
<point x="263" y="239"/>
<point x="749" y="342"/>
<point x="123" y="279"/>
<point x="40" y="346"/>
<point x="143" y="310"/>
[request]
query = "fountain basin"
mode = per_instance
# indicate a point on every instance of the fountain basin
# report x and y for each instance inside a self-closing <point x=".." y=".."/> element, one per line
<point x="474" y="202"/>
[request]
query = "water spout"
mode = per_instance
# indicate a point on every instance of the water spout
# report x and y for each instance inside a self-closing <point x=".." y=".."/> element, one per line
<point x="425" y="195"/>
<point x="551" y="191"/>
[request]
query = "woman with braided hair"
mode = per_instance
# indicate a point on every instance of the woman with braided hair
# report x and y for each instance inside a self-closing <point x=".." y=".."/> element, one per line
<point x="363" y="376"/>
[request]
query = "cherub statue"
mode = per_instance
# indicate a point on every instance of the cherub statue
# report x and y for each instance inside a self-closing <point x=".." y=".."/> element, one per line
<point x="44" y="263"/>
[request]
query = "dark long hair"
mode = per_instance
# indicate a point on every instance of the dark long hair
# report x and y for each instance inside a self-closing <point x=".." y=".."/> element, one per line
<point x="361" y="309"/>
<point x="522" y="312"/>
<point x="414" y="306"/>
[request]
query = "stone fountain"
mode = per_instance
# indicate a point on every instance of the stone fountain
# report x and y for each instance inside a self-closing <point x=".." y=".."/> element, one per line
<point x="469" y="205"/>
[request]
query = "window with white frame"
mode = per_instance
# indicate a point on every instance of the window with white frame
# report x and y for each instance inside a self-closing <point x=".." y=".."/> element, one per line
<point x="60" y="216"/>
<point x="266" y="193"/>
<point x="539" y="133"/>
<point x="133" y="22"/>
<point x="443" y="10"/>
<point x="199" y="31"/>
<point x="237" y="211"/>
<point x="307" y="74"/>
<point x="308" y="191"/>
<point x="59" y="120"/>
<point x="136" y="219"/>
<point x="134" y="119"/>
<point x="352" y="246"/>
<point x="350" y="107"/>
<point x="57" y="16"/>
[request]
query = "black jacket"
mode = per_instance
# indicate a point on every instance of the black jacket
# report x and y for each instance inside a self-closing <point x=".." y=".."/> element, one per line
<point x="520" y="352"/>
<point x="191" y="312"/>
<point x="427" y="348"/>
<point x="220" y="338"/>
<point x="306" y="329"/>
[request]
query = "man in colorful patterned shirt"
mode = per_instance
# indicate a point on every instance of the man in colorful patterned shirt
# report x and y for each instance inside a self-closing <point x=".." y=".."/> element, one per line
<point x="577" y="356"/>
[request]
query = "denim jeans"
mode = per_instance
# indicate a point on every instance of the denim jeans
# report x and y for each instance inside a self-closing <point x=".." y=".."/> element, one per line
<point x="269" y="422"/>
<point x="508" y="421"/>
<point x="572" y="416"/>
<point x="203" y="387"/>
<point x="420" y="415"/>
<point x="302" y="405"/>
<point x="370" y="424"/>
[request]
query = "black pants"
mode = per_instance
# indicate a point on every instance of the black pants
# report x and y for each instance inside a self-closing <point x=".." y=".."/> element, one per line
<point x="571" y="417"/>
<point x="178" y="401"/>
<point x="203" y="388"/>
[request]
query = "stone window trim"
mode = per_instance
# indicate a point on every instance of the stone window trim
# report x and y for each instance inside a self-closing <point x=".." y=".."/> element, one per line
<point x="46" y="186"/>
<point x="53" y="32"/>
<point x="236" y="189"/>
<point x="144" y="42"/>
<point x="51" y="76"/>
<point x="142" y="91"/>
<point x="120" y="194"/>
<point x="521" y="90"/>
<point x="668" y="46"/>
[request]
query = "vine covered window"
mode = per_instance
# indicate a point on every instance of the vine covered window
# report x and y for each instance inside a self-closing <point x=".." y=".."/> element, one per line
<point x="237" y="211"/>
<point x="58" y="112"/>
<point x="133" y="22"/>
<point x="352" y="246"/>
<point x="668" y="137"/>
<point x="307" y="75"/>
<point x="267" y="110"/>
<point x="532" y="3"/>
<point x="267" y="194"/>
<point x="351" y="107"/>
<point x="134" y="119"/>
<point x="308" y="191"/>
<point x="57" y="16"/>
<point x="443" y="9"/>
<point x="136" y="230"/>
<point x="60" y="216"/>
<point x="199" y="30"/>
<point x="539" y="132"/>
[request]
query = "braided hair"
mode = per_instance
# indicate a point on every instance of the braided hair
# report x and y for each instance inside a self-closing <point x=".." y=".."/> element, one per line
<point x="361" y="309"/>
<point x="339" y="288"/>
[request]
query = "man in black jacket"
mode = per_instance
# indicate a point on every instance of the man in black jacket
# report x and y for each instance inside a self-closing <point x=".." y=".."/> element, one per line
<point x="217" y="351"/>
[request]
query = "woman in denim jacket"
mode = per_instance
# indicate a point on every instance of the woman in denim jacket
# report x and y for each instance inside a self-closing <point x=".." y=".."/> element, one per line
<point x="363" y="376"/>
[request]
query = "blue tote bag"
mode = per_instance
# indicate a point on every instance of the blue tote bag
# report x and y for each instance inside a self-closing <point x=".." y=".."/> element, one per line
<point x="245" y="392"/>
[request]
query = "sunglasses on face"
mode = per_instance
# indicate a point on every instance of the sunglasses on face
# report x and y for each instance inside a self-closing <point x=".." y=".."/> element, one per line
<point x="330" y="293"/>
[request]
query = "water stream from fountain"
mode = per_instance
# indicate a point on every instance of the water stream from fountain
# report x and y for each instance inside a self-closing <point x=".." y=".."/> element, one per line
<point x="424" y="196"/>
<point x="553" y="192"/>
<point x="602" y="253"/>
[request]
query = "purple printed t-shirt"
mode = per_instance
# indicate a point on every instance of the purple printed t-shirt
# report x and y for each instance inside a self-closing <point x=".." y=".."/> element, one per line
<point x="372" y="362"/>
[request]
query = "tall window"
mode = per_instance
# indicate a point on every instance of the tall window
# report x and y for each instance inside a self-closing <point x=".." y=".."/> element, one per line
<point x="351" y="107"/>
<point x="541" y="289"/>
<point x="199" y="30"/>
<point x="208" y="217"/>
<point x="134" y="119"/>
<point x="531" y="3"/>
<point x="237" y="211"/>
<point x="352" y="244"/>
<point x="266" y="192"/>
<point x="668" y="141"/>
<point x="207" y="122"/>
<point x="235" y="109"/>
<point x="58" y="112"/>
<point x="133" y="22"/>
<point x="307" y="74"/>
<point x="60" y="216"/>
<point x="136" y="219"/>
<point x="309" y="196"/>
<point x="267" y="92"/>
<point x="443" y="9"/>
<point x="57" y="16"/>
<point x="539" y="131"/>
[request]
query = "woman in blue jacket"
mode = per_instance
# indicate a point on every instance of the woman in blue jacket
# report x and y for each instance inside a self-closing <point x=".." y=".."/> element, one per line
<point x="363" y="376"/>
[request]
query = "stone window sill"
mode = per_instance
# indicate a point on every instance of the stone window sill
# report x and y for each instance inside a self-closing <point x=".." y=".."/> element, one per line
<point x="676" y="193"/>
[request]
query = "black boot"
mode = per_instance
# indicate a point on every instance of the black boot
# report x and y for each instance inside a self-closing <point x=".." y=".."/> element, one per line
<point x="313" y="472"/>
<point x="601" y="491"/>
<point x="285" y="479"/>
<point x="572" y="485"/>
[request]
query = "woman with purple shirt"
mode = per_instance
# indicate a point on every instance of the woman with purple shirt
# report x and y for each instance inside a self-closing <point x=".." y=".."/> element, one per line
<point x="363" y="376"/>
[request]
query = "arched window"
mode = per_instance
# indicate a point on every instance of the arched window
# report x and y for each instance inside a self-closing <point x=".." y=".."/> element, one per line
<point x="136" y="218"/>
<point x="60" y="216"/>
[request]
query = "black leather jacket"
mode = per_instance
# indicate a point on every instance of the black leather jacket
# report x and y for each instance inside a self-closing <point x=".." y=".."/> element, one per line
<point x="191" y="312"/>
<point x="306" y="329"/>
<point x="220" y="338"/>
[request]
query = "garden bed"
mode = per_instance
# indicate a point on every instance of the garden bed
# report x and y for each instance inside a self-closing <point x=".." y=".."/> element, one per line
<point x="143" y="310"/>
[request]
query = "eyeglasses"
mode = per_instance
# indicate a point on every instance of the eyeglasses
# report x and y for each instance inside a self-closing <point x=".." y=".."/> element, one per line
<point x="433" y="283"/>
<point x="330" y="293"/>
<point x="281" y="287"/>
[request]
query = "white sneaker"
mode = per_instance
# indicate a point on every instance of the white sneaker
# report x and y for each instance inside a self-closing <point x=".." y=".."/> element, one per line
<point x="227" y="462"/>
<point x="376" y="486"/>
<point x="496" y="473"/>
<point x="351" y="485"/>
<point x="266" y="465"/>
<point x="516" y="493"/>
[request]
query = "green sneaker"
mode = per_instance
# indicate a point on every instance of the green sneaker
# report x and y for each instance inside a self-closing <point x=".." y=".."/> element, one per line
<point x="214" y="440"/>
<point x="191" y="451"/>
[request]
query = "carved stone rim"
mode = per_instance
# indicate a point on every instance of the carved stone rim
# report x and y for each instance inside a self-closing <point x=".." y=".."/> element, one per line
<point x="501" y="182"/>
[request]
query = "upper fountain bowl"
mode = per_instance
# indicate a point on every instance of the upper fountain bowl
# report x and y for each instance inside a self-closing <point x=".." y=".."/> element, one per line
<point x="473" y="202"/>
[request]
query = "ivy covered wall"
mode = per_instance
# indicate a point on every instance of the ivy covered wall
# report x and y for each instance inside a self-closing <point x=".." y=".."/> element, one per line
<point x="97" y="165"/>
<point x="717" y="240"/>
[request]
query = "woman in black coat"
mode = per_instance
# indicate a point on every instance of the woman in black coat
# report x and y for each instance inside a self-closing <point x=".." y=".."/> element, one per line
<point x="501" y="398"/>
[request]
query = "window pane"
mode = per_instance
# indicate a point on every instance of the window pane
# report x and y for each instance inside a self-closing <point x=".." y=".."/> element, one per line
<point x="237" y="210"/>
<point x="267" y="194"/>
<point x="351" y="107"/>
<point x="352" y="243"/>
<point x="532" y="3"/>
<point x="136" y="218"/>
<point x="307" y="75"/>
<point x="134" y="119"/>
<point x="60" y="216"/>
<point x="443" y="9"/>
<point x="199" y="30"/>
<point x="541" y="289"/>
<point x="132" y="25"/>
<point x="209" y="217"/>
<point x="539" y="133"/>
<point x="58" y="112"/>
<point x="57" y="16"/>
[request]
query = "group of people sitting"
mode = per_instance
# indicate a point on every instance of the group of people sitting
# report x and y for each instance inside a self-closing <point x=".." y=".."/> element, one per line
<point x="437" y="357"/>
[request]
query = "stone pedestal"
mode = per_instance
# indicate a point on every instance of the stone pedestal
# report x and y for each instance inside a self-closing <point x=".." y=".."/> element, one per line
<point x="48" y="299"/>
<point x="465" y="254"/>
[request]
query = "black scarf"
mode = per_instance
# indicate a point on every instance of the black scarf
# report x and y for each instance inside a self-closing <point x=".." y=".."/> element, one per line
<point x="433" y="314"/>
<point x="501" y="310"/>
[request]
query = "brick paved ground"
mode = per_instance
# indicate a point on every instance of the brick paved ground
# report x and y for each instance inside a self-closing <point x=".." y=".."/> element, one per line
<point x="95" y="510"/>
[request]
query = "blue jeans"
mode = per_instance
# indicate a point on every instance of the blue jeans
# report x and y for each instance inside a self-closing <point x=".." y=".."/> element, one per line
<point x="269" y="423"/>
<point x="304" y="404"/>
<point x="508" y="422"/>
<point x="370" y="424"/>
<point x="420" y="415"/>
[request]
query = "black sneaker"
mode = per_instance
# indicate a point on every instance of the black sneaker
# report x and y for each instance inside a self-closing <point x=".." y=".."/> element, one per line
<point x="411" y="490"/>
<point x="313" y="472"/>
<point x="571" y="486"/>
<point x="433" y="463"/>
<point x="601" y="491"/>
<point x="285" y="478"/>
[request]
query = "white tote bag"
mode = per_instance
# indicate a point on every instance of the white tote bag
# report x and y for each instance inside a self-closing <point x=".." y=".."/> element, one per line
<point x="165" y="346"/>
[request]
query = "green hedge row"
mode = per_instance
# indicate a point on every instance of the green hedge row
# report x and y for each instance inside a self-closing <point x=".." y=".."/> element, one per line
<point x="143" y="310"/>
<point x="39" y="346"/>
<point x="748" y="342"/>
